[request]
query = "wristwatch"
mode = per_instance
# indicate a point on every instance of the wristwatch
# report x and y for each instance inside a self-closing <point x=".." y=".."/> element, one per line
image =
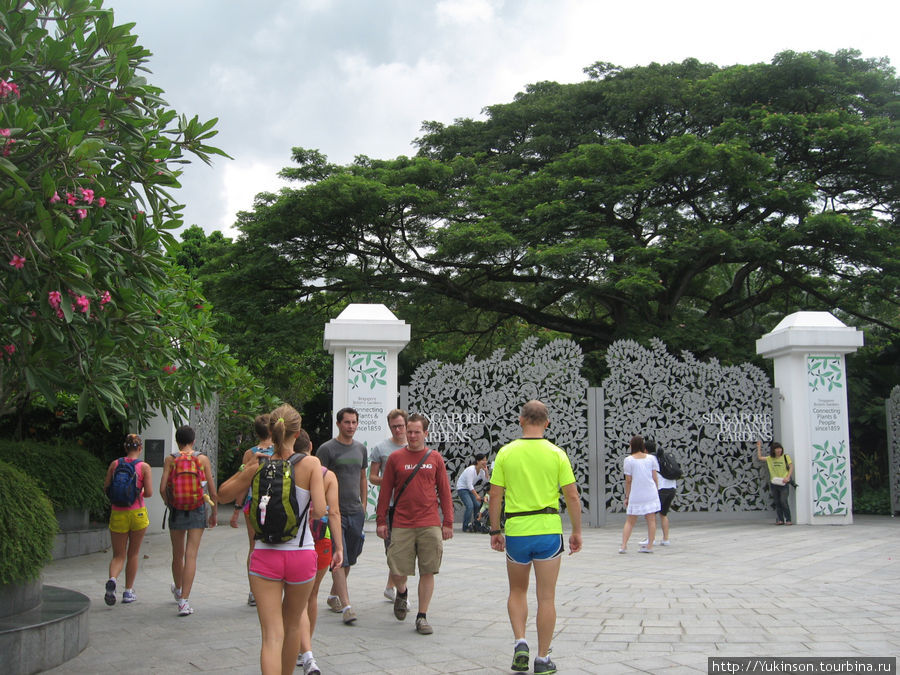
<point x="493" y="532"/>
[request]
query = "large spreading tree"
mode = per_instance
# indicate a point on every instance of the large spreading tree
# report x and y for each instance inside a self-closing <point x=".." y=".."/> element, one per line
<point x="90" y="304"/>
<point x="689" y="201"/>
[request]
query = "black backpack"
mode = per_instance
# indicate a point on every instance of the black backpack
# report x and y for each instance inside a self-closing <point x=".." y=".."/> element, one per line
<point x="123" y="489"/>
<point x="274" y="511"/>
<point x="668" y="466"/>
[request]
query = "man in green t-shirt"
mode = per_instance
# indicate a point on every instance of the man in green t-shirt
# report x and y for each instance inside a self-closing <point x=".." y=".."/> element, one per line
<point x="529" y="473"/>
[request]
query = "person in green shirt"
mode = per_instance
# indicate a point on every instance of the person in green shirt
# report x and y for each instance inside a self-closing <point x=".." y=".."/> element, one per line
<point x="781" y="469"/>
<point x="529" y="472"/>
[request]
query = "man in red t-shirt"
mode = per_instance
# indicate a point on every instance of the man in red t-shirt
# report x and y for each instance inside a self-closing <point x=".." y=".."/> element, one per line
<point x="417" y="531"/>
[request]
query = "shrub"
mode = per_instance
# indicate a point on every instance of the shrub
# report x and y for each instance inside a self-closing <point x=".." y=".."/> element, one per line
<point x="873" y="501"/>
<point x="71" y="477"/>
<point x="27" y="526"/>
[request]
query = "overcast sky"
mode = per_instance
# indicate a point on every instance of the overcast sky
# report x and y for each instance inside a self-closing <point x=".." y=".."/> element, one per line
<point x="358" y="77"/>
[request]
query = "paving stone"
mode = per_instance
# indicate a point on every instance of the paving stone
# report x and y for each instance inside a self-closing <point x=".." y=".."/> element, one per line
<point x="740" y="588"/>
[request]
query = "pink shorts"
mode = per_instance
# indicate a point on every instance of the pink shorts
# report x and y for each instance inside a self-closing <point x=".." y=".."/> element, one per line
<point x="297" y="566"/>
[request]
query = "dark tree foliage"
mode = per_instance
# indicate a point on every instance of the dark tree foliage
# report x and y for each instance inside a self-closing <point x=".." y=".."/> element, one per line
<point x="687" y="201"/>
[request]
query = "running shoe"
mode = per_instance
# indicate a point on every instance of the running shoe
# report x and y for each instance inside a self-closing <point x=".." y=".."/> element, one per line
<point x="184" y="608"/>
<point x="544" y="667"/>
<point x="401" y="607"/>
<point x="128" y="596"/>
<point x="251" y="599"/>
<point x="520" y="657"/>
<point x="176" y="592"/>
<point x="110" y="596"/>
<point x="334" y="604"/>
<point x="423" y="627"/>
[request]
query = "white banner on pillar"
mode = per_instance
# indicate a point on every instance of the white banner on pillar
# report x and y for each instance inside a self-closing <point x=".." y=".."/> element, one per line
<point x="828" y="434"/>
<point x="367" y="392"/>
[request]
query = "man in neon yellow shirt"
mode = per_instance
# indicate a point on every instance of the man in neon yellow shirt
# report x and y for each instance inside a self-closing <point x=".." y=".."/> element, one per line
<point x="530" y="471"/>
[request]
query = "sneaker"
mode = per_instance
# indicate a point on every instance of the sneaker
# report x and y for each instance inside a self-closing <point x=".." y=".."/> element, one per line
<point x="334" y="604"/>
<point x="389" y="594"/>
<point x="423" y="627"/>
<point x="176" y="592"/>
<point x="251" y="599"/>
<point x="401" y="606"/>
<point x="520" y="657"/>
<point x="128" y="596"/>
<point x="664" y="542"/>
<point x="110" y="596"/>
<point x="310" y="668"/>
<point x="644" y="542"/>
<point x="544" y="667"/>
<point x="184" y="608"/>
<point x="645" y="550"/>
<point x="349" y="616"/>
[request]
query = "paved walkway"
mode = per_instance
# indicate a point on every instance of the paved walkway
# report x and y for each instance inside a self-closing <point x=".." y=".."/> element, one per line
<point x="721" y="589"/>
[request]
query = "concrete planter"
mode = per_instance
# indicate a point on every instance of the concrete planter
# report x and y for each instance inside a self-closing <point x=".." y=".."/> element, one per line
<point x="18" y="598"/>
<point x="71" y="520"/>
<point x="49" y="632"/>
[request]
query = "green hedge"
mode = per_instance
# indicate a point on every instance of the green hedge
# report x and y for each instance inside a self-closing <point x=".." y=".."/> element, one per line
<point x="875" y="501"/>
<point x="72" y="478"/>
<point x="27" y="527"/>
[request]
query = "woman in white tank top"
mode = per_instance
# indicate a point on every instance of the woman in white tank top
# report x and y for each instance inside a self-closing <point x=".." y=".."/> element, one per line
<point x="281" y="574"/>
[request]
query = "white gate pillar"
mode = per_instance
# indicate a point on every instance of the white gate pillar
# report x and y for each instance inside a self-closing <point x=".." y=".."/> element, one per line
<point x="808" y="349"/>
<point x="365" y="341"/>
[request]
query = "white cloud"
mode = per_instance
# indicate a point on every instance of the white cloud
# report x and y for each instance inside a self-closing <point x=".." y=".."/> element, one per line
<point x="464" y="11"/>
<point x="353" y="77"/>
<point x="241" y="182"/>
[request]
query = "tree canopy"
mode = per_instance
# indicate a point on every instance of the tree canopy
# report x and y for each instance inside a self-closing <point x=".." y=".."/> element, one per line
<point x="90" y="153"/>
<point x="687" y="201"/>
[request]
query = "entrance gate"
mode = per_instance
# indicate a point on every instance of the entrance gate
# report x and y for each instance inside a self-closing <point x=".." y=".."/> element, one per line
<point x="708" y="415"/>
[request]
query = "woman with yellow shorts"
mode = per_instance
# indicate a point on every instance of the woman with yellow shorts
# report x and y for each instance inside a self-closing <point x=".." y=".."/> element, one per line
<point x="128" y="524"/>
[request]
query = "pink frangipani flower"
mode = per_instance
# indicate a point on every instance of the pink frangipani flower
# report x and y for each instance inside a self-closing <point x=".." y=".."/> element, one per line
<point x="81" y="213"/>
<point x="87" y="195"/>
<point x="83" y="303"/>
<point x="101" y="202"/>
<point x="10" y="349"/>
<point x="70" y="199"/>
<point x="7" y="88"/>
<point x="55" y="198"/>
<point x="5" y="133"/>
<point x="17" y="261"/>
<point x="104" y="298"/>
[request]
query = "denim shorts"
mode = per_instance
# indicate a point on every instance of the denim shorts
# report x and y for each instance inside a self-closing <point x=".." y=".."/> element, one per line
<point x="353" y="536"/>
<point x="524" y="550"/>
<point x="188" y="520"/>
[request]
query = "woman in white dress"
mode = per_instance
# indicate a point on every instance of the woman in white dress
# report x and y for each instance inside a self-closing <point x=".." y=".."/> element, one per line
<point x="641" y="493"/>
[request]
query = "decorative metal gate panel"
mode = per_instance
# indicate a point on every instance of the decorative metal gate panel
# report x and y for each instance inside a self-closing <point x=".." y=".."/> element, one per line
<point x="893" y="431"/>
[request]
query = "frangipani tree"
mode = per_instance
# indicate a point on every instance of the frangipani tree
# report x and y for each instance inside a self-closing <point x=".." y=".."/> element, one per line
<point x="89" y="151"/>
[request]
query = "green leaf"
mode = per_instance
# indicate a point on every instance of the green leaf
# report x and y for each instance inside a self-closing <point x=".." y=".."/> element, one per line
<point x="10" y="170"/>
<point x="87" y="148"/>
